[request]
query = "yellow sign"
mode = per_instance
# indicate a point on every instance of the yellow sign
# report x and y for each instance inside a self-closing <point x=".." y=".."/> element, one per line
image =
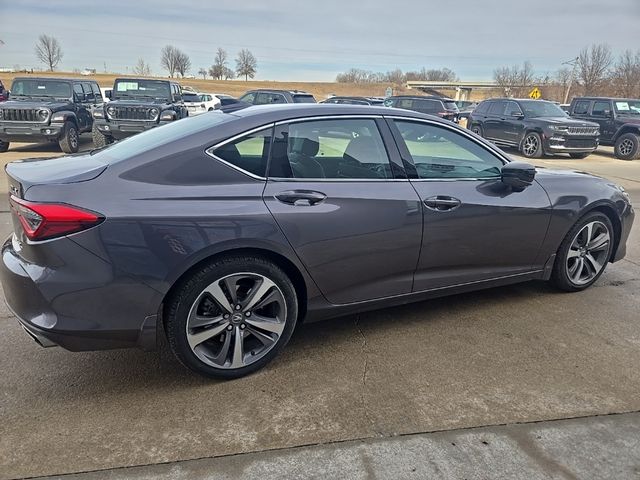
<point x="535" y="93"/>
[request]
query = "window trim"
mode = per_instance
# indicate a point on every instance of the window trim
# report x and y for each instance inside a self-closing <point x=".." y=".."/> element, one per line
<point x="586" y="112"/>
<point x="209" y="150"/>
<point x="489" y="148"/>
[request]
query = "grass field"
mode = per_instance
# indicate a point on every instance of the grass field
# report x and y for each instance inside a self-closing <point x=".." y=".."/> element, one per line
<point x="237" y="87"/>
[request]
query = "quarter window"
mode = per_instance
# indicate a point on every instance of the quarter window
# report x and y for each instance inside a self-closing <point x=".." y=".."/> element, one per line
<point x="438" y="152"/>
<point x="330" y="149"/>
<point x="249" y="153"/>
<point x="582" y="108"/>
<point x="497" y="108"/>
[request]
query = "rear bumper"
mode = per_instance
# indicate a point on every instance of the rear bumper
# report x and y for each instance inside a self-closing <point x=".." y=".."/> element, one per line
<point x="124" y="129"/>
<point x="56" y="306"/>
<point x="30" y="132"/>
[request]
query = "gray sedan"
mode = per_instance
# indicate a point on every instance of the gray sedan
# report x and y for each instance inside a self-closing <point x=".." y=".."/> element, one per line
<point x="225" y="231"/>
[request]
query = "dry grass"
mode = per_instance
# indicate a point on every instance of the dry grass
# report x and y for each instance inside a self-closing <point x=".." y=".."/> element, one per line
<point x="237" y="87"/>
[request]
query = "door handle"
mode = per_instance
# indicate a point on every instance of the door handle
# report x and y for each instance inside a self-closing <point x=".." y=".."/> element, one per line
<point x="300" y="197"/>
<point x="442" y="203"/>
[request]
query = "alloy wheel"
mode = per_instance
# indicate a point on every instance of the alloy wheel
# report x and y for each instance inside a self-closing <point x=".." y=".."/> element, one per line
<point x="530" y="145"/>
<point x="588" y="253"/>
<point x="236" y="320"/>
<point x="626" y="147"/>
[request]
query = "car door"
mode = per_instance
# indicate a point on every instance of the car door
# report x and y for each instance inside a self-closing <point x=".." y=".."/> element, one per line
<point x="475" y="227"/>
<point x="492" y="125"/>
<point x="342" y="199"/>
<point x="602" y="113"/>
<point x="82" y="106"/>
<point x="513" y="124"/>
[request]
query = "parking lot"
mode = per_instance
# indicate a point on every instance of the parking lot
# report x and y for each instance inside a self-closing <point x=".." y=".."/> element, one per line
<point x="517" y="354"/>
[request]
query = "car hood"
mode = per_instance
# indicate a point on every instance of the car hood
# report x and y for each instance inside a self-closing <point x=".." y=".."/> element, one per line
<point x="573" y="122"/>
<point x="51" y="104"/>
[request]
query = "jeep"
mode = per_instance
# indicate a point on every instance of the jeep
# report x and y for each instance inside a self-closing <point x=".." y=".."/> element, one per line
<point x="136" y="105"/>
<point x="619" y="120"/>
<point x="48" y="110"/>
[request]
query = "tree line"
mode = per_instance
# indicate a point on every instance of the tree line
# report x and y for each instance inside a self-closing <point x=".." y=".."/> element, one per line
<point x="397" y="76"/>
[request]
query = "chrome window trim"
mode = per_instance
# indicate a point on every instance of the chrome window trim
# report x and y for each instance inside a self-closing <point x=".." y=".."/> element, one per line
<point x="328" y="117"/>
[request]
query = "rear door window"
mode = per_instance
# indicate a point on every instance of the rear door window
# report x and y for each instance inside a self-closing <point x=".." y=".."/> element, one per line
<point x="303" y="99"/>
<point x="497" y="108"/>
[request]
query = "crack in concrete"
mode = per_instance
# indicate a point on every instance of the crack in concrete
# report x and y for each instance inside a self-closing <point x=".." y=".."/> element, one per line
<point x="365" y="371"/>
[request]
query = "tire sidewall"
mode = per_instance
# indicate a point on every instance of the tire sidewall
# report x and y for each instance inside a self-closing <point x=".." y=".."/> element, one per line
<point x="178" y="311"/>
<point x="477" y="129"/>
<point x="65" y="144"/>
<point x="636" y="150"/>
<point x="559" y="275"/>
<point x="538" y="152"/>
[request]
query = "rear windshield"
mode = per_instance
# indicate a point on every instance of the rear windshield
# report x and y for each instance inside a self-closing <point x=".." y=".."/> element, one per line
<point x="191" y="97"/>
<point x="303" y="99"/>
<point x="451" y="105"/>
<point x="158" y="137"/>
<point x="40" y="88"/>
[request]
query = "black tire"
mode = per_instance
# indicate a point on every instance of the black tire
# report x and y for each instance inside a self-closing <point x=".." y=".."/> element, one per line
<point x="627" y="146"/>
<point x="70" y="140"/>
<point x="527" y="146"/>
<point x="4" y="146"/>
<point x="477" y="129"/>
<point x="579" y="155"/>
<point x="187" y="294"/>
<point x="210" y="109"/>
<point x="560" y="276"/>
<point x="100" y="140"/>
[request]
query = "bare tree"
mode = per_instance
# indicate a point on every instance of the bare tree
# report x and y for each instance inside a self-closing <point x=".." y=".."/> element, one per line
<point x="228" y="74"/>
<point x="626" y="74"/>
<point x="219" y="64"/>
<point x="142" y="68"/>
<point x="203" y="72"/>
<point x="515" y="80"/>
<point x="183" y="63"/>
<point x="49" y="51"/>
<point x="169" y="59"/>
<point x="593" y="65"/>
<point x="246" y="64"/>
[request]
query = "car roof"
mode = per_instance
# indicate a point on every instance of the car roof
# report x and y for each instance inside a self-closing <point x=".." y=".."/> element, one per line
<point x="515" y="100"/>
<point x="292" y="92"/>
<point x="58" y="79"/>
<point x="287" y="111"/>
<point x="422" y="97"/>
<point x="605" y="98"/>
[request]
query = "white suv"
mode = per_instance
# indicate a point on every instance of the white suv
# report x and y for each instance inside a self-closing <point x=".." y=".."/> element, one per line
<point x="198" y="103"/>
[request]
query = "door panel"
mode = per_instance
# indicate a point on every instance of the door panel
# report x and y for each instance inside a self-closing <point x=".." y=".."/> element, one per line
<point x="493" y="123"/>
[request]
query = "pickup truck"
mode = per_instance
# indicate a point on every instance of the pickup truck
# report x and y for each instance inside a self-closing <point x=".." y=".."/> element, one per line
<point x="619" y="120"/>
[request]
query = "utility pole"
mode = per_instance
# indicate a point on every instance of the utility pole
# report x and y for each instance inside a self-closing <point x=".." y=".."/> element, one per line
<point x="574" y="64"/>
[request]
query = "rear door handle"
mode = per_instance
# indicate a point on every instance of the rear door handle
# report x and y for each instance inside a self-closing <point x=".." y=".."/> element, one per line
<point x="442" y="203"/>
<point x="300" y="197"/>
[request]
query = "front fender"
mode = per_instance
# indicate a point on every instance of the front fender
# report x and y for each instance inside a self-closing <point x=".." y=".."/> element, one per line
<point x="63" y="116"/>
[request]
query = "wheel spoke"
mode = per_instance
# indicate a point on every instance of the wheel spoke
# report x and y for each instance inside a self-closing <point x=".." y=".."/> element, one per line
<point x="222" y="355"/>
<point x="266" y="324"/>
<point x="257" y="293"/>
<point x="576" y="270"/>
<point x="197" y="321"/>
<point x="196" y="339"/>
<point x="263" y="337"/>
<point x="238" y="349"/>
<point x="600" y="242"/>
<point x="593" y="263"/>
<point x="218" y="295"/>
<point x="589" y="232"/>
<point x="573" y="253"/>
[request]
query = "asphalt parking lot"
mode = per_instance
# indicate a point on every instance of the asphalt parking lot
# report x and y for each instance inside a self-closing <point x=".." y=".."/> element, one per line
<point x="504" y="356"/>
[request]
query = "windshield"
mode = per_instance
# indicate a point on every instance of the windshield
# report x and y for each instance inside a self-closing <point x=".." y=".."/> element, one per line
<point x="141" y="88"/>
<point x="627" y="107"/>
<point x="536" y="108"/>
<point x="40" y="88"/>
<point x="191" y="97"/>
<point x="303" y="99"/>
<point x="450" y="105"/>
<point x="158" y="137"/>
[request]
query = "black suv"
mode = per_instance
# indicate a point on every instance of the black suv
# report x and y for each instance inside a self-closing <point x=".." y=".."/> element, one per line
<point x="619" y="120"/>
<point x="534" y="127"/>
<point x="48" y="110"/>
<point x="264" y="96"/>
<point x="441" y="106"/>
<point x="137" y="104"/>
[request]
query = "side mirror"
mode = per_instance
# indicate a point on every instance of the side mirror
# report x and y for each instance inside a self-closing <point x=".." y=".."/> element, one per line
<point x="607" y="113"/>
<point x="107" y="93"/>
<point x="517" y="115"/>
<point x="518" y="175"/>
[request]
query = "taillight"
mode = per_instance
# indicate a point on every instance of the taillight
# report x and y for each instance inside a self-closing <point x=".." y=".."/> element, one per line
<point x="42" y="221"/>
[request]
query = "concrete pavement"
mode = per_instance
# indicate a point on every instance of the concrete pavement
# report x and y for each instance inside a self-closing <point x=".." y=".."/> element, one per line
<point x="523" y="353"/>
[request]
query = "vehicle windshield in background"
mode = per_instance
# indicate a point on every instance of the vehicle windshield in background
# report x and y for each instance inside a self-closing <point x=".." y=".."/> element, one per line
<point x="451" y="105"/>
<point x="303" y="99"/>
<point x="627" y="107"/>
<point x="141" y="88"/>
<point x="191" y="97"/>
<point x="40" y="88"/>
<point x="536" y="108"/>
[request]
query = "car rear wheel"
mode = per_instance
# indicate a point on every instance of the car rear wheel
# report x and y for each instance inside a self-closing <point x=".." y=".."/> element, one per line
<point x="231" y="317"/>
<point x="627" y="146"/>
<point x="4" y="146"/>
<point x="578" y="155"/>
<point x="70" y="141"/>
<point x="584" y="253"/>
<point x="531" y="145"/>
<point x="99" y="140"/>
<point x="477" y="129"/>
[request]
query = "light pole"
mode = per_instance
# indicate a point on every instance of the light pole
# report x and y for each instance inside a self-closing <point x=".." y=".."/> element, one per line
<point x="574" y="64"/>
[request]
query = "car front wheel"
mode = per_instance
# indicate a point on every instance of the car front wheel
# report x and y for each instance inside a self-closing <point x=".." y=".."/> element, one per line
<point x="100" y="140"/>
<point x="477" y="129"/>
<point x="584" y="253"/>
<point x="70" y="141"/>
<point x="531" y="145"/>
<point x="579" y="155"/>
<point x="627" y="146"/>
<point x="231" y="317"/>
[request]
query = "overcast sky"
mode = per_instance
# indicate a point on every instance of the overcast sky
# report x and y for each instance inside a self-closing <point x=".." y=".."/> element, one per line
<point x="314" y="40"/>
